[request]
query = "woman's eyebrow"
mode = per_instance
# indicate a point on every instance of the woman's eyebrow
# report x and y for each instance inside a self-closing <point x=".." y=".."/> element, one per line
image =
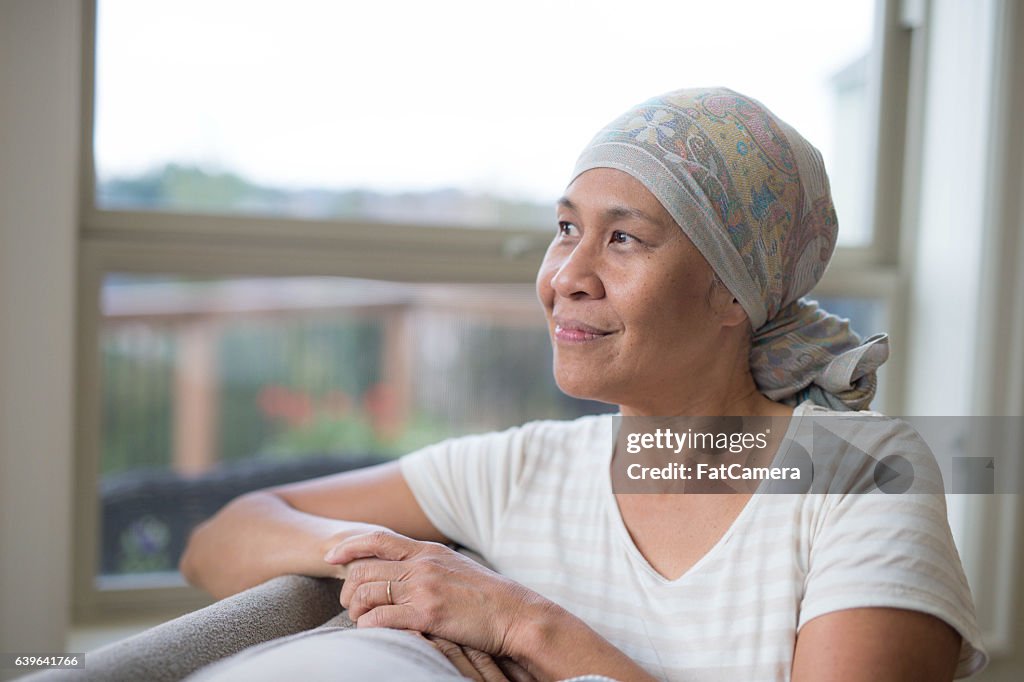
<point x="565" y="203"/>
<point x="613" y="213"/>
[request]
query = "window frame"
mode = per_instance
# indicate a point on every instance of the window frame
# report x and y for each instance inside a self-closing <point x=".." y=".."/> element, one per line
<point x="998" y="387"/>
<point x="224" y="245"/>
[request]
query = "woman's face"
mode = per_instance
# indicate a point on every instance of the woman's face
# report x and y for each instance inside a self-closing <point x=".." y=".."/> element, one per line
<point x="626" y="296"/>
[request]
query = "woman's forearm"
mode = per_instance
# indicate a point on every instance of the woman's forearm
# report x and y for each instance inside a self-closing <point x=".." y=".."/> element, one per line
<point x="553" y="644"/>
<point x="257" y="537"/>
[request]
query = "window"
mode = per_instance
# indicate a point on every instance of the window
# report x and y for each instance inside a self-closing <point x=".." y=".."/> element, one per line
<point x="298" y="220"/>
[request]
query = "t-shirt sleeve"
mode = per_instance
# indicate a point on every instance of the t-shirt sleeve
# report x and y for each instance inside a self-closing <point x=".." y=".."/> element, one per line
<point x="873" y="549"/>
<point x="464" y="485"/>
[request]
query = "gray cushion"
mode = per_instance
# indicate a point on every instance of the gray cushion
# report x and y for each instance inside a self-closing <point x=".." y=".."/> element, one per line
<point x="171" y="651"/>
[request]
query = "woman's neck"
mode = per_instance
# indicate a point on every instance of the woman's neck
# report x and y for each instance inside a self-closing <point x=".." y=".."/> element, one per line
<point x="747" y="401"/>
<point x="716" y="382"/>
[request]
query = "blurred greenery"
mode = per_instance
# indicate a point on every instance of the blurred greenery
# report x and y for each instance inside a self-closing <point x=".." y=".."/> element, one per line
<point x="137" y="383"/>
<point x="295" y="385"/>
<point x="189" y="188"/>
<point x="339" y="354"/>
<point x="356" y="435"/>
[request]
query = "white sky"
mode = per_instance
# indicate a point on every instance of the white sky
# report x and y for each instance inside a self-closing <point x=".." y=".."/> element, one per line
<point x="417" y="95"/>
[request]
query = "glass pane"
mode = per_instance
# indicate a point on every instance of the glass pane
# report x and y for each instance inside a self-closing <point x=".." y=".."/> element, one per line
<point x="450" y="111"/>
<point x="212" y="388"/>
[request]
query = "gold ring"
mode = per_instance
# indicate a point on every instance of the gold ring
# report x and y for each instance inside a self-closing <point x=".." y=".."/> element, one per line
<point x="391" y="601"/>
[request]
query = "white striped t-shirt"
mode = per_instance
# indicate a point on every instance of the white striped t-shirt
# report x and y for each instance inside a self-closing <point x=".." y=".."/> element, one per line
<point x="536" y="502"/>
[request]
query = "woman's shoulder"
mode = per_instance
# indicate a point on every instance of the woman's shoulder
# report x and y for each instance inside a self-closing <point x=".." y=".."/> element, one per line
<point x="867" y="451"/>
<point x="866" y="425"/>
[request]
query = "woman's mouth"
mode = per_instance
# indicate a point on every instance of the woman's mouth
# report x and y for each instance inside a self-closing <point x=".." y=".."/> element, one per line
<point x="573" y="331"/>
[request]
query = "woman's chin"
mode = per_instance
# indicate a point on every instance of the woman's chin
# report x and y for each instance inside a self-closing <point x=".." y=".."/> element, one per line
<point x="584" y="388"/>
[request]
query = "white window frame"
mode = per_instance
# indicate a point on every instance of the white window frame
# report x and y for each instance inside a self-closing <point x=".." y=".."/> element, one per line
<point x="991" y="546"/>
<point x="998" y="387"/>
<point x="224" y="245"/>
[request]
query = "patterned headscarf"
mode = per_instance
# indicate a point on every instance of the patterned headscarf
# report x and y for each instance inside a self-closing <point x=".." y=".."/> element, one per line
<point x="753" y="197"/>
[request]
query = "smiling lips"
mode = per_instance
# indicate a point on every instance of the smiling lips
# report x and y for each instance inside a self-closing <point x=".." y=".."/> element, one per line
<point x="574" y="331"/>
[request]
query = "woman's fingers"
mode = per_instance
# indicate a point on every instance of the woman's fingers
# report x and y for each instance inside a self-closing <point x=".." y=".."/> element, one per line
<point x="382" y="544"/>
<point x="400" y="617"/>
<point x="476" y="665"/>
<point x="485" y="665"/>
<point x="454" y="653"/>
<point x="513" y="671"/>
<point x="363" y="571"/>
<point x="371" y="595"/>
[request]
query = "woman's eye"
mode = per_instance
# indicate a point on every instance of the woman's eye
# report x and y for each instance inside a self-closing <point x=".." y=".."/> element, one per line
<point x="566" y="229"/>
<point x="620" y="237"/>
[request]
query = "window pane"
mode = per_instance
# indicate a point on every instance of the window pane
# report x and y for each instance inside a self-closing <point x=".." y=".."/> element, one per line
<point x="451" y="111"/>
<point x="211" y="388"/>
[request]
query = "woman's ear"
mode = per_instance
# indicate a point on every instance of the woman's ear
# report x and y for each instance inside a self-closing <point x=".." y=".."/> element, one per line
<point x="733" y="314"/>
<point x="724" y="305"/>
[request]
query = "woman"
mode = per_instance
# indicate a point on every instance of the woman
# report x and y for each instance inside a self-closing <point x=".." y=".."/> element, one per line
<point x="693" y="225"/>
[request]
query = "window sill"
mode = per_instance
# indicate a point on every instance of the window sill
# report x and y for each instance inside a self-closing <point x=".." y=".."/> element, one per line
<point x="86" y="637"/>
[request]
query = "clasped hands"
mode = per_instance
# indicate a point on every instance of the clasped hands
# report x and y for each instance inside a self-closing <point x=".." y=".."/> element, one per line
<point x="473" y="615"/>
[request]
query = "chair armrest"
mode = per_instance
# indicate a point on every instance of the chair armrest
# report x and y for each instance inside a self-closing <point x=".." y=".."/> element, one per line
<point x="173" y="650"/>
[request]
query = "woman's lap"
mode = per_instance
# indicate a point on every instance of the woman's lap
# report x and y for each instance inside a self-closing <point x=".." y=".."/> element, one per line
<point x="335" y="654"/>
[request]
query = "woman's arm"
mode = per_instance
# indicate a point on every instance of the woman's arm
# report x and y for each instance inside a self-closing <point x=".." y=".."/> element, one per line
<point x="287" y="529"/>
<point x="552" y="644"/>
<point x="876" y="645"/>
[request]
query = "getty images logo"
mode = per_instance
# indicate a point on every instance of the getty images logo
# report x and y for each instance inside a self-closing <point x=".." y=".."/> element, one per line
<point x="836" y="453"/>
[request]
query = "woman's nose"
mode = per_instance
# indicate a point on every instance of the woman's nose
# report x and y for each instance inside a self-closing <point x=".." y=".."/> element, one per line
<point x="577" y="275"/>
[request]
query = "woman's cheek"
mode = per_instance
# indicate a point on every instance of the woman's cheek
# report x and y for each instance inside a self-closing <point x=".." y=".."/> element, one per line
<point x="545" y="292"/>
